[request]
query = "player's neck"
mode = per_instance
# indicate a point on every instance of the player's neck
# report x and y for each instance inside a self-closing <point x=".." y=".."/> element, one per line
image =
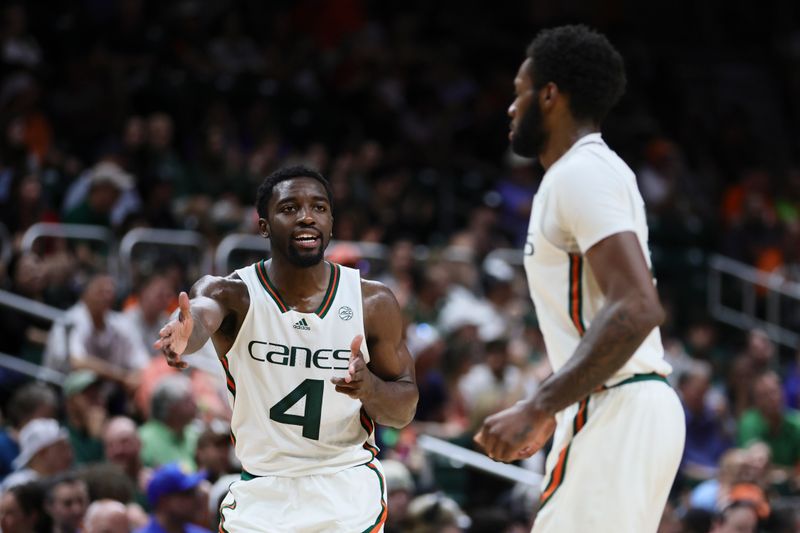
<point x="297" y="283"/>
<point x="562" y="138"/>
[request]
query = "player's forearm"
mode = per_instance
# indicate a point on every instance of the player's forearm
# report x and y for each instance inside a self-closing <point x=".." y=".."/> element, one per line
<point x="392" y="403"/>
<point x="614" y="335"/>
<point x="200" y="332"/>
<point x="200" y="329"/>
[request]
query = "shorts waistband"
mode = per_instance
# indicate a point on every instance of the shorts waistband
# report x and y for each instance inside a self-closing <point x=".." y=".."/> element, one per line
<point x="653" y="376"/>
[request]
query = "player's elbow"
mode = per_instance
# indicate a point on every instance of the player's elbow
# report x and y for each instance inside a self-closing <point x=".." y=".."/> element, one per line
<point x="646" y="312"/>
<point x="404" y="415"/>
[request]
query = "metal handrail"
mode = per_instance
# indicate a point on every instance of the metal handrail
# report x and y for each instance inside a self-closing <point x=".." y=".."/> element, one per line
<point x="512" y="256"/>
<point x="169" y="237"/>
<point x="65" y="231"/>
<point x="237" y="241"/>
<point x="41" y="373"/>
<point x="752" y="279"/>
<point x="477" y="460"/>
<point x="30" y="307"/>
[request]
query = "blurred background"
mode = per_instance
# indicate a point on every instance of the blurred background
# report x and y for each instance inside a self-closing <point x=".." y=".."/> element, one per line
<point x="134" y="133"/>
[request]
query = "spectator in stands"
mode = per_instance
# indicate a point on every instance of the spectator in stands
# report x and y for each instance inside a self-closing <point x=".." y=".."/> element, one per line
<point x="709" y="494"/>
<point x="491" y="385"/>
<point x="436" y="513"/>
<point x="66" y="500"/>
<point x="106" y="516"/>
<point x="738" y="517"/>
<point x="44" y="451"/>
<point x="707" y="436"/>
<point x="771" y="422"/>
<point x="34" y="400"/>
<point x="85" y="407"/>
<point x="92" y="336"/>
<point x="214" y="452"/>
<point x="400" y="490"/>
<point x="21" y="335"/>
<point x="399" y="274"/>
<point x="106" y="182"/>
<point x="108" y="481"/>
<point x="149" y="313"/>
<point x="169" y="435"/>
<point x="122" y="447"/>
<point x="22" y="510"/>
<point x="173" y="496"/>
<point x="791" y="385"/>
<point x="758" y="357"/>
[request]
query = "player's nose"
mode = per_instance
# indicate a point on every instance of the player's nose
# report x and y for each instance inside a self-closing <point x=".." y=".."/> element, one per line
<point x="306" y="215"/>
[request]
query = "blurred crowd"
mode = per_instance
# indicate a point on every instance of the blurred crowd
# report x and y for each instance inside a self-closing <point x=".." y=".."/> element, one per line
<point x="135" y="114"/>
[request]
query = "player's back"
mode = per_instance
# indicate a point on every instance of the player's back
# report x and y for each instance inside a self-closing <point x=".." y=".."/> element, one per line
<point x="589" y="194"/>
<point x="287" y="418"/>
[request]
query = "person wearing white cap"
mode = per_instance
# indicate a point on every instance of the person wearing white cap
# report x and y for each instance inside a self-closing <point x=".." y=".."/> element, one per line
<point x="45" y="451"/>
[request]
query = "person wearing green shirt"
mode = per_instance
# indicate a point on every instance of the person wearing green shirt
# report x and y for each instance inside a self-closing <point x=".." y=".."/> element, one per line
<point x="771" y="422"/>
<point x="86" y="414"/>
<point x="169" y="435"/>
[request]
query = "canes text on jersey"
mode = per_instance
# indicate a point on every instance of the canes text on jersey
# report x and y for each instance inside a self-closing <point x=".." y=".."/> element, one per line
<point x="280" y="354"/>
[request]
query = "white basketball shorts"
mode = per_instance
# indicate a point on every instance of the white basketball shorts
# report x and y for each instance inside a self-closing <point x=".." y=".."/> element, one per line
<point x="353" y="500"/>
<point x="614" y="459"/>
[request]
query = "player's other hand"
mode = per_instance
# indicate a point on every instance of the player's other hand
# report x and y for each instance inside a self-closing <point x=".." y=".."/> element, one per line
<point x="515" y="433"/>
<point x="174" y="336"/>
<point x="359" y="382"/>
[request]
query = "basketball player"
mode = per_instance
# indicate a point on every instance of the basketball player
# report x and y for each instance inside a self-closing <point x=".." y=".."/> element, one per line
<point x="306" y="388"/>
<point x="618" y="427"/>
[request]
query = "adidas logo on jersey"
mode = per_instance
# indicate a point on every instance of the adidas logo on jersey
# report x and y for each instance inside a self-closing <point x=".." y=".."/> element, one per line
<point x="301" y="324"/>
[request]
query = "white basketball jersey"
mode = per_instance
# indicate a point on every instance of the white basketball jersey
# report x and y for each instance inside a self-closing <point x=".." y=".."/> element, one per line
<point x="587" y="195"/>
<point x="287" y="418"/>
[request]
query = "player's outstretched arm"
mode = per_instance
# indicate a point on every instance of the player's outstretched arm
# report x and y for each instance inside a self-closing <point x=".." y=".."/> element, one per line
<point x="386" y="386"/>
<point x="631" y="311"/>
<point x="195" y="320"/>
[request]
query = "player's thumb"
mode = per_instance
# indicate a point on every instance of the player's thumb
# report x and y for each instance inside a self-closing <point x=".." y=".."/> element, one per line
<point x="183" y="304"/>
<point x="355" y="346"/>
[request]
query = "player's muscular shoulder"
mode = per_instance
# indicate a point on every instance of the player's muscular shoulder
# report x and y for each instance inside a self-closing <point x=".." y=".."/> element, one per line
<point x="230" y="292"/>
<point x="382" y="316"/>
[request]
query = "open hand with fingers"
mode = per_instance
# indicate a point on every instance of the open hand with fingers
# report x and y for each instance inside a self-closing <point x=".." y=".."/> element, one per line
<point x="515" y="433"/>
<point x="174" y="336"/>
<point x="359" y="383"/>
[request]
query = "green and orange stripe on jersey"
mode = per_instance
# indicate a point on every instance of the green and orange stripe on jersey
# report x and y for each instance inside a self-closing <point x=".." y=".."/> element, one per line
<point x="272" y="290"/>
<point x="384" y="512"/>
<point x="369" y="426"/>
<point x="330" y="293"/>
<point x="559" y="471"/>
<point x="222" y="508"/>
<point x="575" y="303"/>
<point x="231" y="384"/>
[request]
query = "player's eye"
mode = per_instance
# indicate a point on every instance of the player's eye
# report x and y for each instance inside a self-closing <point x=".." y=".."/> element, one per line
<point x="288" y="208"/>
<point x="321" y="208"/>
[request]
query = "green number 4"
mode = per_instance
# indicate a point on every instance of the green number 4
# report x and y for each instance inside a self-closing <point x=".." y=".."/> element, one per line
<point x="311" y="390"/>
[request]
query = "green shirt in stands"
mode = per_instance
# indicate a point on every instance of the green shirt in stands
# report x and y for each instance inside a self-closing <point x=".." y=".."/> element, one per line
<point x="160" y="445"/>
<point x="785" y="444"/>
<point x="87" y="449"/>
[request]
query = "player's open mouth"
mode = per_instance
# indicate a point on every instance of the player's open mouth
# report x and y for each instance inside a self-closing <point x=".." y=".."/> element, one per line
<point x="306" y="240"/>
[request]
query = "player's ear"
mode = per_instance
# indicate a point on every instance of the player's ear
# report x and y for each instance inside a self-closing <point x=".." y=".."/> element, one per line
<point x="549" y="93"/>
<point x="263" y="228"/>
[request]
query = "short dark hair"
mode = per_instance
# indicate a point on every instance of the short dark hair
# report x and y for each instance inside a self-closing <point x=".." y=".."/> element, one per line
<point x="583" y="64"/>
<point x="283" y="174"/>
<point x="64" y="478"/>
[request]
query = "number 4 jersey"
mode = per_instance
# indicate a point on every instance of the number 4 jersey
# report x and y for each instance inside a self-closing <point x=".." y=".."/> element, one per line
<point x="287" y="418"/>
